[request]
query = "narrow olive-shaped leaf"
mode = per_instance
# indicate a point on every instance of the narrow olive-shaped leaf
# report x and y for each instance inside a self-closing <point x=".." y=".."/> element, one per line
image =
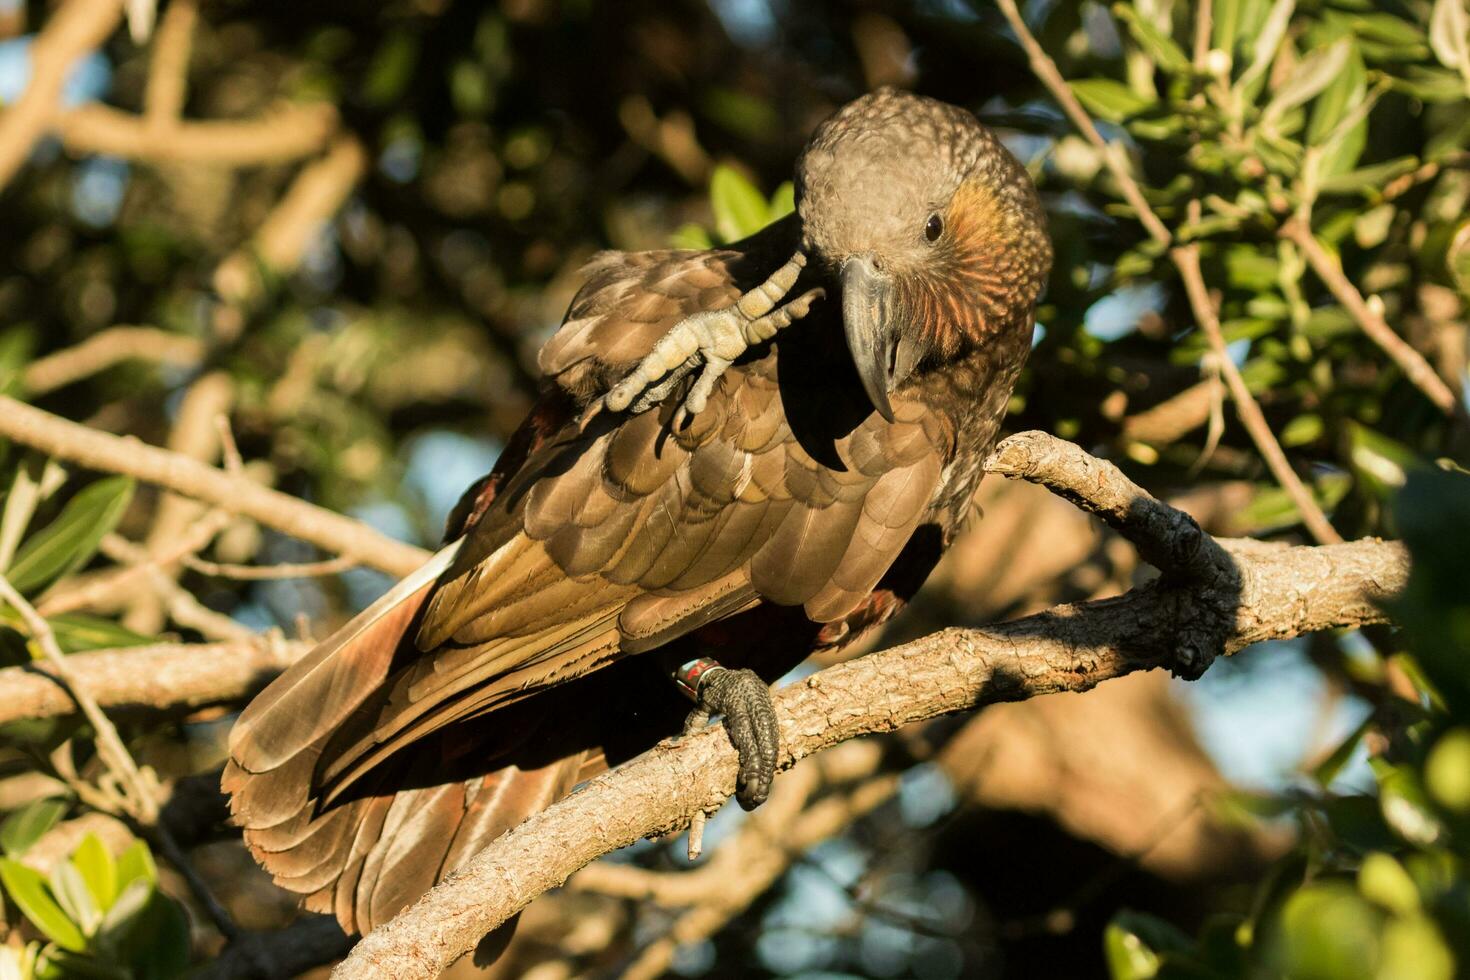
<point x="1128" y="956"/>
<point x="71" y="893"/>
<point x="98" y="869"/>
<point x="1449" y="34"/>
<point x="1158" y="45"/>
<point x="72" y="538"/>
<point x="28" y="890"/>
<point x="1312" y="75"/>
<point x="136" y="864"/>
<point x="1368" y="178"/>
<point x="157" y="946"/>
<point x="1267" y="42"/>
<point x="1345" y="92"/>
<point x="783" y="201"/>
<point x="740" y="208"/>
<point x="1405" y="806"/>
<point x="24" y="827"/>
<point x="1110" y="99"/>
<point x="122" y="916"/>
<point x="80" y="631"/>
<point x="1328" y="769"/>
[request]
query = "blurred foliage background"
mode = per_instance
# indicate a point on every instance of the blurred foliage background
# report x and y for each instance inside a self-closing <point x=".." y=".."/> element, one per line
<point x="357" y="269"/>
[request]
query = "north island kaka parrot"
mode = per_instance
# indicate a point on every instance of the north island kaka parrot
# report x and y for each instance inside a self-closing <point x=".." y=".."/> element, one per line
<point x="739" y="457"/>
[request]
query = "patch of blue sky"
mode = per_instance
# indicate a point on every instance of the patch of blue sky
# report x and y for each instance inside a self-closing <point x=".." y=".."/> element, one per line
<point x="925" y="795"/>
<point x="747" y="21"/>
<point x="364" y="585"/>
<point x="1259" y="716"/>
<point x="400" y="159"/>
<point x="441" y="463"/>
<point x="1118" y="314"/>
<point x="89" y="79"/>
<point x="97" y="188"/>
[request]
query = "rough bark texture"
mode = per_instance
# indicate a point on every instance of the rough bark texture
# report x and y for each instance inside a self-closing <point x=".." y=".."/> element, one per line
<point x="168" y="675"/>
<point x="1213" y="598"/>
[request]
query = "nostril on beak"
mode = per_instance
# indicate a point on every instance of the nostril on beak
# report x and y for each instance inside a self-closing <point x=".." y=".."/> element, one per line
<point x="877" y="263"/>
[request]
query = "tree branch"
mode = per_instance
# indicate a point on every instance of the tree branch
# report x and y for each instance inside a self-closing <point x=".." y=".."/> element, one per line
<point x="113" y="454"/>
<point x="1186" y="261"/>
<point x="1215" y="597"/>
<point x="1370" y="319"/>
<point x="106" y="348"/>
<point x="279" y="135"/>
<point x="76" y="28"/>
<point x="164" y="676"/>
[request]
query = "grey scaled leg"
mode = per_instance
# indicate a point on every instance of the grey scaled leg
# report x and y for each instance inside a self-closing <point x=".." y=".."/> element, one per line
<point x="744" y="700"/>
<point x="709" y="341"/>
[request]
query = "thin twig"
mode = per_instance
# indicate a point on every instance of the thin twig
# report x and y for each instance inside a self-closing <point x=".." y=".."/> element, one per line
<point x="106" y="348"/>
<point x="140" y="791"/>
<point x="1186" y="260"/>
<point x="78" y="26"/>
<point x="279" y="135"/>
<point x="108" y="587"/>
<point x="168" y="69"/>
<point x="262" y="573"/>
<point x="1046" y="70"/>
<point x="326" y="529"/>
<point x="1371" y="320"/>
<point x="109" y="744"/>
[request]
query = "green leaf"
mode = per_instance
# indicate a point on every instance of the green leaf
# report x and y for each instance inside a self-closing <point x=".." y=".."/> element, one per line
<point x="1110" y="99"/>
<point x="25" y="826"/>
<point x="740" y="208"/>
<point x="1447" y="771"/>
<point x="1430" y="84"/>
<point x="1385" y="883"/>
<point x="1383" y="463"/>
<point x="1371" y="178"/>
<point x="98" y="870"/>
<point x="691" y="235"/>
<point x="1263" y="52"/>
<point x="71" y="893"/>
<point x="1312" y="76"/>
<point x="1128" y="956"/>
<point x="136" y="864"/>
<point x="157" y="945"/>
<point x="17" y="345"/>
<point x="1327" y="770"/>
<point x="783" y="201"/>
<point x="80" y="631"/>
<point x="1449" y="35"/>
<point x="71" y="539"/>
<point x="1404" y="805"/>
<point x="1344" y="93"/>
<point x="1414" y="949"/>
<point x="1159" y="46"/>
<point x="1327" y="930"/>
<point x="120" y="918"/>
<point x="27" y="889"/>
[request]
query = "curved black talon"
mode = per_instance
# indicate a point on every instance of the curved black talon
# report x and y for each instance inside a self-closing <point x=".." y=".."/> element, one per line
<point x="743" y="698"/>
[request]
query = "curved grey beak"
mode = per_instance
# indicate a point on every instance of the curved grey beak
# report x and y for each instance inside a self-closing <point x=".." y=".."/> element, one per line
<point x="883" y="358"/>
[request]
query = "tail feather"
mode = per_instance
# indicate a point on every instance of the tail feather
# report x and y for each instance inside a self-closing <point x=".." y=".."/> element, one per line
<point x="366" y="854"/>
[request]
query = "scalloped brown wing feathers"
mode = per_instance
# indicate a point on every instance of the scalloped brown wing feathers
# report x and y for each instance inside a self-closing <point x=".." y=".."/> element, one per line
<point x="350" y="772"/>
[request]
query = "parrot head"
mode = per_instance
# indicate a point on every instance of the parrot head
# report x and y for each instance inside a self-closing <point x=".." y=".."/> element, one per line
<point x="930" y="228"/>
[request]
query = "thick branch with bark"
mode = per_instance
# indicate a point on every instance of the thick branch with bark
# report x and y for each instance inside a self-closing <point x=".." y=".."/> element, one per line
<point x="166" y="676"/>
<point x="1215" y="597"/>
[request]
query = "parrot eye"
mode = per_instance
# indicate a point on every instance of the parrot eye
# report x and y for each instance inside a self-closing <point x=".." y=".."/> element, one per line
<point x="934" y="227"/>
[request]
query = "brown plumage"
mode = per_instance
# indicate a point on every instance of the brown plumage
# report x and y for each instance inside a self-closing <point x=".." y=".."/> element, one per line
<point x="786" y="516"/>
